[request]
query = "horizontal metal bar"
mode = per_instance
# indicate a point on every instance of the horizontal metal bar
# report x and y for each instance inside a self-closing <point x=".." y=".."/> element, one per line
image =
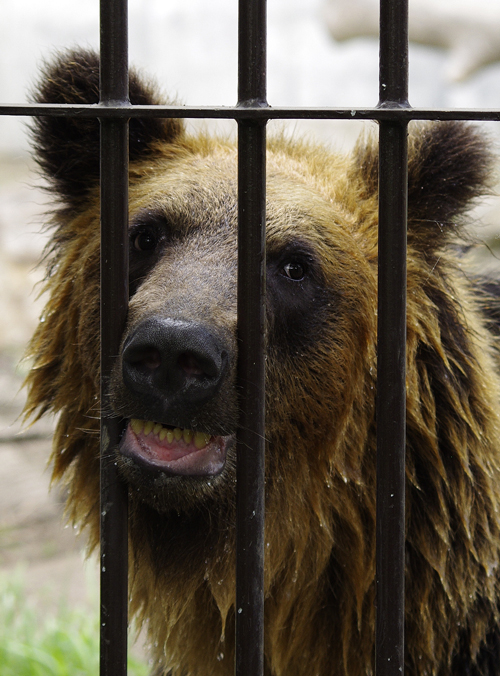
<point x="390" y="113"/>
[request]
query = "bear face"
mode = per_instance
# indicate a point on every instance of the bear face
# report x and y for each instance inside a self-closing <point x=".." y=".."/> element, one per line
<point x="174" y="384"/>
<point x="178" y="358"/>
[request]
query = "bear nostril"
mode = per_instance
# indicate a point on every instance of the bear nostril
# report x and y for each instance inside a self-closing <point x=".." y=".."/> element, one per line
<point x="190" y="364"/>
<point x="145" y="359"/>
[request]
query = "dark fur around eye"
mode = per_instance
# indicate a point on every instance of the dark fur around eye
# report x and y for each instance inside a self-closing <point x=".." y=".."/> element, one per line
<point x="149" y="234"/>
<point x="296" y="296"/>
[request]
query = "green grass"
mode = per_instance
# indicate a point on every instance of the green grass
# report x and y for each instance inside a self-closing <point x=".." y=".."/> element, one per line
<point x="62" y="643"/>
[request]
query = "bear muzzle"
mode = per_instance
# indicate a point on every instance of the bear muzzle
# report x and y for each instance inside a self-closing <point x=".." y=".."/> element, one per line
<point x="172" y="372"/>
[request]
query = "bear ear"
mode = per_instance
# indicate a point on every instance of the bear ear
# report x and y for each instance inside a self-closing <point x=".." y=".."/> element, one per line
<point x="67" y="148"/>
<point x="449" y="165"/>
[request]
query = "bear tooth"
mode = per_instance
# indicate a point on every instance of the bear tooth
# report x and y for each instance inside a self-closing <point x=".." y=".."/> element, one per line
<point x="178" y="434"/>
<point x="170" y="436"/>
<point x="137" y="425"/>
<point x="162" y="434"/>
<point x="187" y="435"/>
<point x="201" y="440"/>
<point x="148" y="426"/>
<point x="157" y="429"/>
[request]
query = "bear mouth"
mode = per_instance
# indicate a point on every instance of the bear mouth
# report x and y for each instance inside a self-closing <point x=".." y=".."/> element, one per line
<point x="175" y="451"/>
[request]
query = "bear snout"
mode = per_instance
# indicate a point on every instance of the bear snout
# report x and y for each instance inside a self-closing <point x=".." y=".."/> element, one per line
<point x="178" y="365"/>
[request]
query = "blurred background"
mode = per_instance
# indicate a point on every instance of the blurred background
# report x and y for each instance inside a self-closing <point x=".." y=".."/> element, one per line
<point x="320" y="53"/>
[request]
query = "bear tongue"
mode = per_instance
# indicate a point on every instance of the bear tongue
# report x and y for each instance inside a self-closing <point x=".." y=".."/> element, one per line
<point x="175" y="457"/>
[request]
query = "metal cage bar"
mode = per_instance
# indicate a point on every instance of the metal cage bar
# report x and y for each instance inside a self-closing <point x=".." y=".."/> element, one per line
<point x="253" y="112"/>
<point x="250" y="463"/>
<point x="391" y="342"/>
<point x="114" y="304"/>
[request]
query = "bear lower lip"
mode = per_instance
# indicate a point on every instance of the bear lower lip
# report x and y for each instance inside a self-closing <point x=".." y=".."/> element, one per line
<point x="178" y="452"/>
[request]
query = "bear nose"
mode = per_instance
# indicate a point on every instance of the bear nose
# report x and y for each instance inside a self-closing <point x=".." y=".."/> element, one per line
<point x="179" y="361"/>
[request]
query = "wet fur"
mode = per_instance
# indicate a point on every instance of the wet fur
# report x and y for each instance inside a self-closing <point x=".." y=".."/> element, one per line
<point x="320" y="396"/>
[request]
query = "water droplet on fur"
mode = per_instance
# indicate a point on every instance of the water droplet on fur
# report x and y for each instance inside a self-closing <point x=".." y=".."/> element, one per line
<point x="103" y="569"/>
<point x="220" y="657"/>
<point x="240" y="610"/>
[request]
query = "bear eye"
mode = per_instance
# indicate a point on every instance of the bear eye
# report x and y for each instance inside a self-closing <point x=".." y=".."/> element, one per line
<point x="146" y="240"/>
<point x="294" y="270"/>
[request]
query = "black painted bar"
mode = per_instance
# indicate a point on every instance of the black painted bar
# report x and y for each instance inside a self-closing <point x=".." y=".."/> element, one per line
<point x="251" y="112"/>
<point x="393" y="65"/>
<point x="114" y="302"/>
<point x="251" y="382"/>
<point x="391" y="351"/>
<point x="249" y="648"/>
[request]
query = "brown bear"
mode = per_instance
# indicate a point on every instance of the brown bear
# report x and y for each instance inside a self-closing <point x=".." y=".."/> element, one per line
<point x="174" y="382"/>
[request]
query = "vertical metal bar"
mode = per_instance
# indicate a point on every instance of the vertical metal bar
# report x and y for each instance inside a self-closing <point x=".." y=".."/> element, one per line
<point x="393" y="65"/>
<point x="391" y="354"/>
<point x="249" y="658"/>
<point x="114" y="302"/>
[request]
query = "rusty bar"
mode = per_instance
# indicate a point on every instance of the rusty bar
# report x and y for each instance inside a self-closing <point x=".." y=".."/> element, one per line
<point x="391" y="351"/>
<point x="249" y="648"/>
<point x="114" y="302"/>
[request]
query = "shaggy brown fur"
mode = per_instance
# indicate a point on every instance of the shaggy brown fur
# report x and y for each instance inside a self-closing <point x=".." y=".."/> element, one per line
<point x="322" y="241"/>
